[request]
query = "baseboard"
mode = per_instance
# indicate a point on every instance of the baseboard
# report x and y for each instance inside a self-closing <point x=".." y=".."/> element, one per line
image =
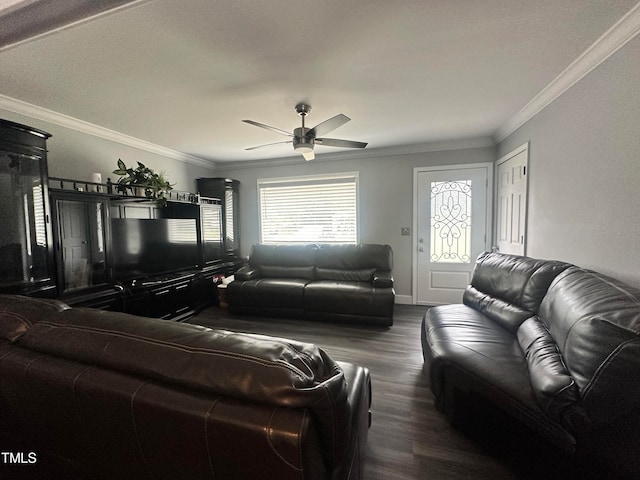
<point x="404" y="300"/>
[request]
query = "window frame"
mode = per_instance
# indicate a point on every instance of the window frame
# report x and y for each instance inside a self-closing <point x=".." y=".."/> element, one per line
<point x="312" y="179"/>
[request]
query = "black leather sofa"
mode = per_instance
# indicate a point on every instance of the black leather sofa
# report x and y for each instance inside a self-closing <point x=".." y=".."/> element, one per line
<point x="338" y="283"/>
<point x="90" y="394"/>
<point x="555" y="346"/>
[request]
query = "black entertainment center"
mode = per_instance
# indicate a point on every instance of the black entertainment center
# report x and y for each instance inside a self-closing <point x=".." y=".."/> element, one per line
<point x="161" y="261"/>
<point x="91" y="244"/>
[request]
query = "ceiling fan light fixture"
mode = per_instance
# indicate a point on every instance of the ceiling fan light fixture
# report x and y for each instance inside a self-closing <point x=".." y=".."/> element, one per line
<point x="302" y="144"/>
<point x="303" y="147"/>
<point x="306" y="149"/>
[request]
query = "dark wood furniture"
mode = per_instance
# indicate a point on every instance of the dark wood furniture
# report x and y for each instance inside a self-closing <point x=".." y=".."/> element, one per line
<point x="96" y="277"/>
<point x="57" y="237"/>
<point x="227" y="190"/>
<point x="26" y="254"/>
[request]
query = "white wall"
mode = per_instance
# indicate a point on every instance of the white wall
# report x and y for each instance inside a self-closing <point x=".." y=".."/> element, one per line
<point x="77" y="155"/>
<point x="385" y="196"/>
<point x="584" y="170"/>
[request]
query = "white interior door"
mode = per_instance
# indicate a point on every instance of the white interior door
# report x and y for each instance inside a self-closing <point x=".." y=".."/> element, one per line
<point x="75" y="243"/>
<point x="452" y="223"/>
<point x="512" y="201"/>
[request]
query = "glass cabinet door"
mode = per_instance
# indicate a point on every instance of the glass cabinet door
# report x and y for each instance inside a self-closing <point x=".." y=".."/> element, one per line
<point x="23" y="228"/>
<point x="211" y="218"/>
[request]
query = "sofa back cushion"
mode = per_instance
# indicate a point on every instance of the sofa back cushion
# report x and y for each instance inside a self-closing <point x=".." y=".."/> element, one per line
<point x="337" y="274"/>
<point x="551" y="382"/>
<point x="250" y="367"/>
<point x="595" y="321"/>
<point x="276" y="271"/>
<point x="283" y="255"/>
<point x="362" y="257"/>
<point x="19" y="313"/>
<point x="509" y="288"/>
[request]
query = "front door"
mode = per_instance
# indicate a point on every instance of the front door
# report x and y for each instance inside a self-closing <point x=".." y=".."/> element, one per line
<point x="452" y="225"/>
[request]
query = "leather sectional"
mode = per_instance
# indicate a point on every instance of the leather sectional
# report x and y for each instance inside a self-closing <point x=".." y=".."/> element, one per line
<point x="338" y="283"/>
<point x="554" y="345"/>
<point x="104" y="395"/>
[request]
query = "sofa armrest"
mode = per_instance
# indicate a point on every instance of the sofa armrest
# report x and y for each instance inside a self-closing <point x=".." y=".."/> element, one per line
<point x="382" y="279"/>
<point x="247" y="273"/>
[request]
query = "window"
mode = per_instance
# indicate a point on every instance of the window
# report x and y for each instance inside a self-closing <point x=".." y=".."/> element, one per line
<point x="309" y="209"/>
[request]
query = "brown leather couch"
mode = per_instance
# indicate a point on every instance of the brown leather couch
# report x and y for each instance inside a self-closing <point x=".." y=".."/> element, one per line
<point x="555" y="346"/>
<point x="90" y="394"/>
<point x="336" y="283"/>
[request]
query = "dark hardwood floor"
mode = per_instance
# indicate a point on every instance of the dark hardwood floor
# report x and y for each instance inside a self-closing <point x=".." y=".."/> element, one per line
<point x="409" y="439"/>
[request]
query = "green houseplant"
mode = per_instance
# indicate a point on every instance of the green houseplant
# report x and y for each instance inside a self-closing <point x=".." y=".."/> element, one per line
<point x="155" y="185"/>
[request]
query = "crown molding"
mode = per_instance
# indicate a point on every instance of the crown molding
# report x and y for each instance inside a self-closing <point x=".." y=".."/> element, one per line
<point x="66" y="121"/>
<point x="30" y="20"/>
<point x="610" y="42"/>
<point x="367" y="153"/>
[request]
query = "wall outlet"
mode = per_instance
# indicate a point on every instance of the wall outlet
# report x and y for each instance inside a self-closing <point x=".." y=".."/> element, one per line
<point x="405" y="231"/>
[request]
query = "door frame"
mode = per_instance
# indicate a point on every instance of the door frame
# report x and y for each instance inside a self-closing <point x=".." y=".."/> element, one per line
<point x="488" y="241"/>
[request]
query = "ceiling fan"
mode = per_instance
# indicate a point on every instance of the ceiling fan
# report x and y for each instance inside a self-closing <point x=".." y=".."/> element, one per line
<point x="304" y="138"/>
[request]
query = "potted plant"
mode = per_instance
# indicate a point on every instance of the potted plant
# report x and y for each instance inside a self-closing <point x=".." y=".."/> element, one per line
<point x="143" y="181"/>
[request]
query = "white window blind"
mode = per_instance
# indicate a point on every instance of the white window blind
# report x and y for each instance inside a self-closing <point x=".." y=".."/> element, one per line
<point x="310" y="209"/>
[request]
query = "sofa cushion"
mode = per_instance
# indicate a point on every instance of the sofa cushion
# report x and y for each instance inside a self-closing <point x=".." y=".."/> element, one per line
<point x="349" y="298"/>
<point x="283" y="255"/>
<point x="360" y="275"/>
<point x="276" y="271"/>
<point x="460" y="335"/>
<point x="552" y="384"/>
<point x="19" y="313"/>
<point x="258" y="368"/>
<point x="354" y="257"/>
<point x="595" y="321"/>
<point x="507" y="314"/>
<point x="509" y="288"/>
<point x="284" y="293"/>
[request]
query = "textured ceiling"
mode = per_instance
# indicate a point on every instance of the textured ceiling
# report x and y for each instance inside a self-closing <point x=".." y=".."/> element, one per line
<point x="183" y="75"/>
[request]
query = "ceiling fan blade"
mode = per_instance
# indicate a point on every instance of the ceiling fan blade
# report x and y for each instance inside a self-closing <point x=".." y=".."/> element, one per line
<point x="269" y="144"/>
<point x="335" y="142"/>
<point x="309" y="156"/>
<point x="273" y="129"/>
<point x="328" y="125"/>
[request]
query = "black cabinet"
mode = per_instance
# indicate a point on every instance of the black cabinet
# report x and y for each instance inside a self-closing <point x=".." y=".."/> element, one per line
<point x="227" y="190"/>
<point x="26" y="251"/>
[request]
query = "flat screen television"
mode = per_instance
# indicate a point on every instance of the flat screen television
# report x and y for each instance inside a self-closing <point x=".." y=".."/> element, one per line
<point x="150" y="247"/>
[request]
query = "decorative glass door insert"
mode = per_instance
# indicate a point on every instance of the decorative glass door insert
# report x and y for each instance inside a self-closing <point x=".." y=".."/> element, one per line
<point x="451" y="221"/>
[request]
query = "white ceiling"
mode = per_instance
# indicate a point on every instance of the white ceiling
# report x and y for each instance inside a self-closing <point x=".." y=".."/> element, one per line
<point x="183" y="74"/>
